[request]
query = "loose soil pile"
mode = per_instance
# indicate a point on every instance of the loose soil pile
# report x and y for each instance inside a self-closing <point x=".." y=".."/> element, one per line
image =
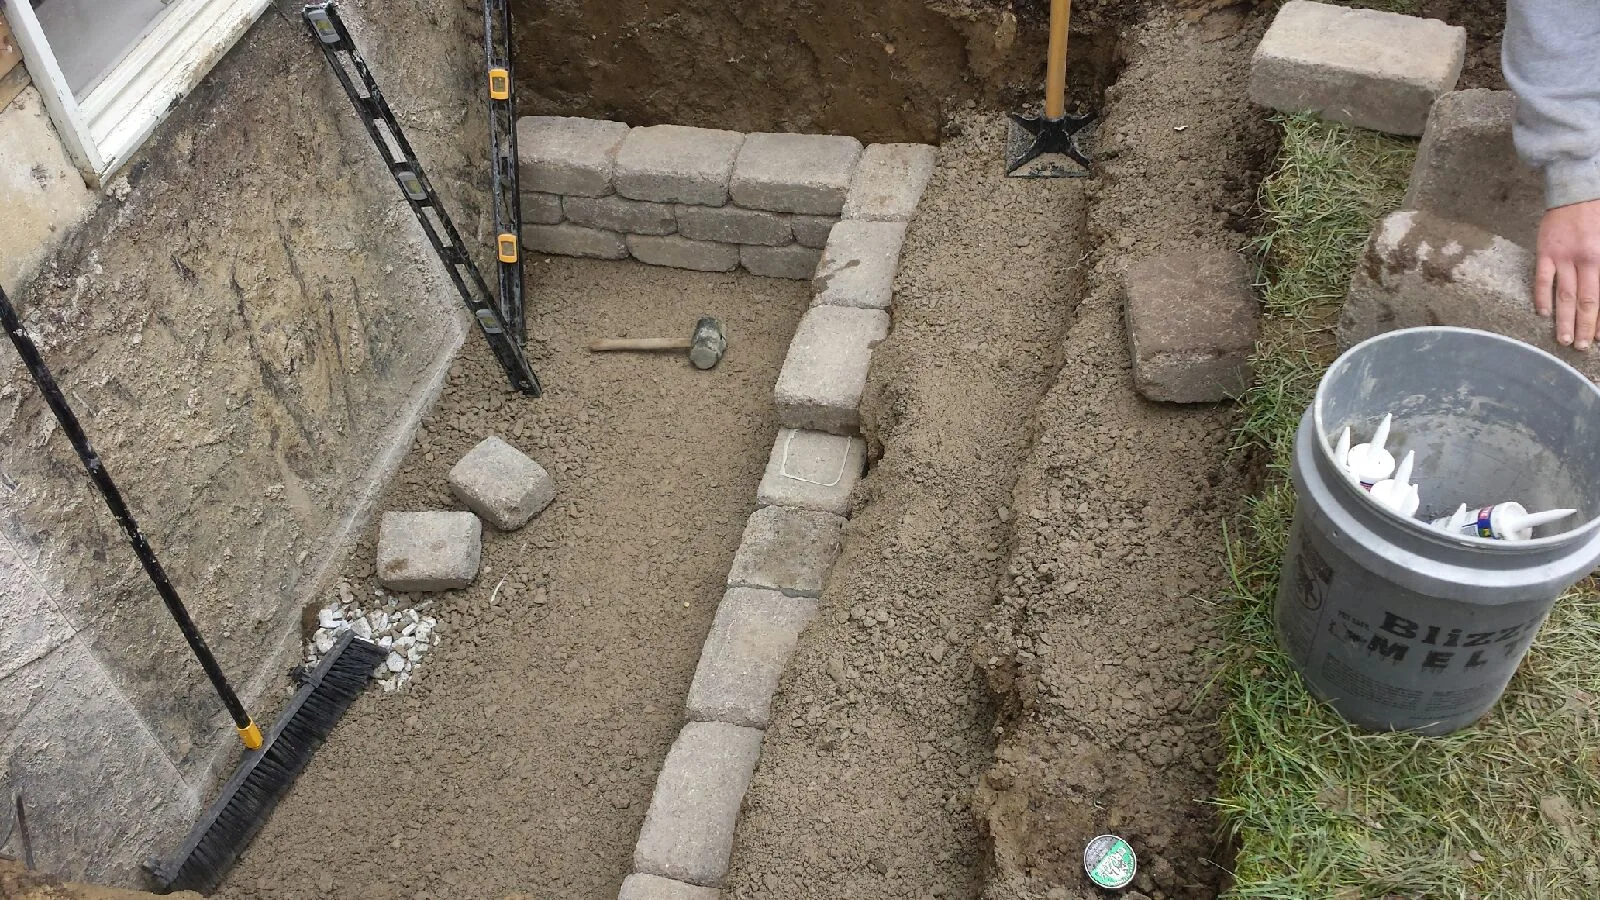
<point x="523" y="755"/>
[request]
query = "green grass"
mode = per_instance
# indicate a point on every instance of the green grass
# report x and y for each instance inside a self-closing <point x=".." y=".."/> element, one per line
<point x="1509" y="808"/>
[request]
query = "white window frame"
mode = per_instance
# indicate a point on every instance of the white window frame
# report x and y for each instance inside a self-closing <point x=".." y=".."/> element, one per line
<point x="104" y="128"/>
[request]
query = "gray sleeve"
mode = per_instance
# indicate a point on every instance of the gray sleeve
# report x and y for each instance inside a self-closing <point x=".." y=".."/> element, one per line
<point x="1551" y="58"/>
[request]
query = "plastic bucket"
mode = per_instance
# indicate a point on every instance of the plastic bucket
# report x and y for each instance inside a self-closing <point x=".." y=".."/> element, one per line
<point x="1403" y="627"/>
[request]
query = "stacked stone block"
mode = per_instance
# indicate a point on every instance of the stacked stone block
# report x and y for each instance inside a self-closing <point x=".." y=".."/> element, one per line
<point x="787" y="195"/>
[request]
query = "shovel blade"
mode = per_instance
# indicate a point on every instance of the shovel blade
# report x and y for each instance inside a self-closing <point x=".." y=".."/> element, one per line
<point x="1041" y="147"/>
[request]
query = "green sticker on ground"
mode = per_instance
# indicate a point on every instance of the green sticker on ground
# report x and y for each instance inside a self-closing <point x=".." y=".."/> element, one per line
<point x="1110" y="862"/>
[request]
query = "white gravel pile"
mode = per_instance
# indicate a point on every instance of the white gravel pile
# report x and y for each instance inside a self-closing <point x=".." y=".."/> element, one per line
<point x="405" y="633"/>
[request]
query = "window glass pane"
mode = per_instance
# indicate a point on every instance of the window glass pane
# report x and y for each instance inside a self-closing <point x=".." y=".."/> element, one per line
<point x="88" y="37"/>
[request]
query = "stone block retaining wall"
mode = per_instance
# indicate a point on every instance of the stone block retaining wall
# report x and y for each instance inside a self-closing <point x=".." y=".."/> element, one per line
<point x="703" y="198"/>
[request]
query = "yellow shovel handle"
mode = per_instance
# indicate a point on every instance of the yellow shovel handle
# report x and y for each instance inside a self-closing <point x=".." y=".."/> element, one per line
<point x="1055" y="78"/>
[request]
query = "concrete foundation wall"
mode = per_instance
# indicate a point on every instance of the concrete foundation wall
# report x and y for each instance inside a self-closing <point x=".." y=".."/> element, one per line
<point x="249" y="324"/>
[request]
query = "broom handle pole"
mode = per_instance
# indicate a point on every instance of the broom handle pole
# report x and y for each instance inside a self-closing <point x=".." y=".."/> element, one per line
<point x="1055" y="78"/>
<point x="119" y="509"/>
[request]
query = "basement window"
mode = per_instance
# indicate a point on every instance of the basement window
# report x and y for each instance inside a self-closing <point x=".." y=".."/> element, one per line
<point x="109" y="70"/>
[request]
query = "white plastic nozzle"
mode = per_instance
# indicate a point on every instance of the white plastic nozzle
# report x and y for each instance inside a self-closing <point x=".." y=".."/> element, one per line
<point x="1370" y="463"/>
<point x="1455" y="521"/>
<point x="1398" y="494"/>
<point x="1341" y="450"/>
<point x="1508" y="521"/>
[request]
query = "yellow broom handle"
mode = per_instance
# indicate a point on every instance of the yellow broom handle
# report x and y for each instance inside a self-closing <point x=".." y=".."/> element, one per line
<point x="1055" y="77"/>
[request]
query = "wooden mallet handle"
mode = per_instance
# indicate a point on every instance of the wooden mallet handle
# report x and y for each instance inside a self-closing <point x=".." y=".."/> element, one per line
<point x="642" y="344"/>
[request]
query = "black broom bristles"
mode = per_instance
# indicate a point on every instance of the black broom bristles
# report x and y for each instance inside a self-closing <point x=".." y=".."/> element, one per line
<point x="265" y="775"/>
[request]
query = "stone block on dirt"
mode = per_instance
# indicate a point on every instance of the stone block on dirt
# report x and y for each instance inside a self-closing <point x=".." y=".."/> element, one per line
<point x="654" y="887"/>
<point x="1421" y="269"/>
<point x="825" y="372"/>
<point x="500" y="483"/>
<point x="812" y="470"/>
<point x="795" y="262"/>
<point x="621" y="214"/>
<point x="681" y="253"/>
<point x="688" y="830"/>
<point x="749" y="643"/>
<point x="795" y="173"/>
<point x="1468" y="170"/>
<point x="675" y="164"/>
<point x="812" y="231"/>
<point x="790" y="551"/>
<point x="889" y="181"/>
<point x="574" y="240"/>
<point x="428" y="551"/>
<point x="859" y="264"/>
<point x="1363" y="67"/>
<point x="568" y="155"/>
<point x="1191" y="326"/>
<point x="732" y="225"/>
<point x="541" y="209"/>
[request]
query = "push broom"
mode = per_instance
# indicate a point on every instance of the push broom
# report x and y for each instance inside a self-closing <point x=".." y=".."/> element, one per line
<point x="270" y="764"/>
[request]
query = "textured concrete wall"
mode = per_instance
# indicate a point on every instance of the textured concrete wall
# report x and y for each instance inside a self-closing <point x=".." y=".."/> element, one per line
<point x="248" y="324"/>
<point x="41" y="194"/>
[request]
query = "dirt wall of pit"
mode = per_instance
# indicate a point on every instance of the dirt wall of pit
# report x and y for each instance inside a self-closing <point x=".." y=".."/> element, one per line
<point x="248" y="324"/>
<point x="881" y="70"/>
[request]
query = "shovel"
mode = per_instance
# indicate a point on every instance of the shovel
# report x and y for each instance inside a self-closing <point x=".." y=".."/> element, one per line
<point x="1051" y="145"/>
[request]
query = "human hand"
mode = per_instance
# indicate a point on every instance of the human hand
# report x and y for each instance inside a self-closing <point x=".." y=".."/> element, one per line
<point x="1566" y="279"/>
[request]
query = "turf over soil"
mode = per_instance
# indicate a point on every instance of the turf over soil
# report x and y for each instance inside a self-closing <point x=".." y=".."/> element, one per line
<point x="1012" y="652"/>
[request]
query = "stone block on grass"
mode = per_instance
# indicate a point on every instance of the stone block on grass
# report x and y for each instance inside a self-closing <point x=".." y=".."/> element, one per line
<point x="1365" y="67"/>
<point x="750" y="641"/>
<point x="500" y="483"/>
<point x="574" y="240"/>
<point x="621" y="214"/>
<point x="820" y="384"/>
<point x="795" y="173"/>
<point x="889" y="181"/>
<point x="681" y="253"/>
<point x="790" y="551"/>
<point x="688" y="830"/>
<point x="675" y="164"/>
<point x="812" y="470"/>
<point x="794" y="262"/>
<point x="1191" y="326"/>
<point x="1421" y="269"/>
<point x="654" y="887"/>
<point x="733" y="225"/>
<point x="812" y="231"/>
<point x="859" y="264"/>
<point x="1467" y="168"/>
<point x="428" y="551"/>
<point x="567" y="155"/>
<point x="541" y="209"/>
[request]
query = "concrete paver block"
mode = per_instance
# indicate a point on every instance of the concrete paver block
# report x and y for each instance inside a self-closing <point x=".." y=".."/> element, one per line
<point x="794" y="261"/>
<point x="681" y="253"/>
<point x="1363" y="67"/>
<point x="1191" y="326"/>
<point x="812" y="470"/>
<point x="1467" y="168"/>
<point x="795" y="173"/>
<point x="688" y="830"/>
<point x="621" y="214"/>
<point x="568" y="155"/>
<point x="429" y="551"/>
<point x="542" y="209"/>
<point x="820" y="384"/>
<point x="859" y="264"/>
<point x="889" y="181"/>
<point x="574" y="240"/>
<point x="654" y="887"/>
<point x="732" y="225"/>
<point x="749" y="643"/>
<point x="812" y="231"/>
<point x="675" y="164"/>
<point x="790" y="551"/>
<point x="1421" y="269"/>
<point x="500" y="483"/>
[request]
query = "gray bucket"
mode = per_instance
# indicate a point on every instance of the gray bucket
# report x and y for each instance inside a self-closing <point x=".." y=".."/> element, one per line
<point x="1402" y="627"/>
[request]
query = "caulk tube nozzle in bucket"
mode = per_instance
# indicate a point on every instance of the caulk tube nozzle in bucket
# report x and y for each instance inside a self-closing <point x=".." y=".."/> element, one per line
<point x="1509" y="521"/>
<point x="1341" y="450"/>
<point x="1454" y="522"/>
<point x="1398" y="494"/>
<point x="1370" y="463"/>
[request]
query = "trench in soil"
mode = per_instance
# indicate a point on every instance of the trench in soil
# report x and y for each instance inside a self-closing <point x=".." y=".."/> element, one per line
<point x="523" y="756"/>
